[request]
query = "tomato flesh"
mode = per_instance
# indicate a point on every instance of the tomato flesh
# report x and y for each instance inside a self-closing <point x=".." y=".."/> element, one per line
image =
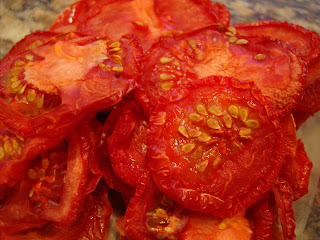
<point x="216" y="150"/>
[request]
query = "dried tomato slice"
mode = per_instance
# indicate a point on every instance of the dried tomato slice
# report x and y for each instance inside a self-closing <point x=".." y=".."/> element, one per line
<point x="216" y="150"/>
<point x="147" y="19"/>
<point x="46" y="90"/>
<point x="152" y="215"/>
<point x="127" y="144"/>
<point x="54" y="186"/>
<point x="270" y="64"/>
<point x="91" y="223"/>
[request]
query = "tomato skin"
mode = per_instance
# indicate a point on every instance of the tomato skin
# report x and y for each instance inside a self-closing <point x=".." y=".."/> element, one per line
<point x="177" y="60"/>
<point x="126" y="145"/>
<point x="205" y="182"/>
<point x="147" y="19"/>
<point x="91" y="222"/>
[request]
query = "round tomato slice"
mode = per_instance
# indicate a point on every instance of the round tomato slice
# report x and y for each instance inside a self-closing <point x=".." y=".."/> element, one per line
<point x="91" y="222"/>
<point x="54" y="186"/>
<point x="270" y="64"/>
<point x="216" y="150"/>
<point x="152" y="215"/>
<point x="46" y="90"/>
<point x="127" y="144"/>
<point x="147" y="19"/>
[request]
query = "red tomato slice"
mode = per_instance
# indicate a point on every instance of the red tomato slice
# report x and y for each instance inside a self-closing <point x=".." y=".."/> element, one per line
<point x="48" y="89"/>
<point x="126" y="146"/>
<point x="270" y="64"/>
<point x="284" y="199"/>
<point x="297" y="171"/>
<point x="55" y="184"/>
<point x="216" y="150"/>
<point x="147" y="19"/>
<point x="91" y="223"/>
<point x="151" y="215"/>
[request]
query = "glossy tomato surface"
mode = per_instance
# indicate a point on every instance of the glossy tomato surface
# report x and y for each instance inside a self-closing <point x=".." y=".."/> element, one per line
<point x="216" y="150"/>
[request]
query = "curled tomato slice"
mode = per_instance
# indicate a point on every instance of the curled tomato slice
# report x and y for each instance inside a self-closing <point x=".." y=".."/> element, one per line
<point x="152" y="215"/>
<point x="91" y="222"/>
<point x="216" y="150"/>
<point x="147" y="19"/>
<point x="270" y="64"/>
<point x="46" y="90"/>
<point x="54" y="186"/>
<point x="126" y="145"/>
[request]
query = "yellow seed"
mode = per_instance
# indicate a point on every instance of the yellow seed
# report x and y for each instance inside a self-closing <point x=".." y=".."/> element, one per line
<point x="260" y="56"/>
<point x="32" y="174"/>
<point x="117" y="69"/>
<point x="201" y="109"/>
<point x="31" y="96"/>
<point x="201" y="167"/>
<point x="195" y="117"/>
<point x="213" y="123"/>
<point x="192" y="44"/>
<point x="225" y="223"/>
<point x="214" y="39"/>
<point x="176" y="63"/>
<point x="139" y="23"/>
<point x="194" y="133"/>
<point x="42" y="174"/>
<point x="232" y="29"/>
<point x="236" y="145"/>
<point x="15" y="84"/>
<point x="183" y="131"/>
<point x="116" y="49"/>
<point x="198" y="152"/>
<point x="164" y="76"/>
<point x="227" y="120"/>
<point x="29" y="57"/>
<point x="230" y="34"/>
<point x="20" y="138"/>
<point x="188" y="147"/>
<point x="80" y="59"/>
<point x="14" y="79"/>
<point x="117" y="58"/>
<point x="31" y="192"/>
<point x="215" y="111"/>
<point x="8" y="147"/>
<point x="165" y="60"/>
<point x="204" y="137"/>
<point x="233" y="39"/>
<point x="106" y="68"/>
<point x="115" y="45"/>
<point x="1" y="152"/>
<point x="19" y="63"/>
<point x="15" y="144"/>
<point x="45" y="163"/>
<point x="166" y="86"/>
<point x="233" y="110"/>
<point x="40" y="101"/>
<point x="161" y="213"/>
<point x="245" y="131"/>
<point x="21" y="91"/>
<point x="242" y="41"/>
<point x="216" y="161"/>
<point x="162" y="236"/>
<point x="243" y="114"/>
<point x="252" y="123"/>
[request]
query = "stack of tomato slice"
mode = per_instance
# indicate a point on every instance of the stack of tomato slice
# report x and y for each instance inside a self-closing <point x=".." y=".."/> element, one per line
<point x="191" y="120"/>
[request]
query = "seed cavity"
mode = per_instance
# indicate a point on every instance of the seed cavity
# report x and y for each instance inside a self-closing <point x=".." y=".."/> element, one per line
<point x="213" y="123"/>
<point x="165" y="60"/>
<point x="195" y="117"/>
<point x="243" y="114"/>
<point x="215" y="111"/>
<point x="183" y="131"/>
<point x="188" y="147"/>
<point x="164" y="76"/>
<point x="166" y="86"/>
<point x="227" y="119"/>
<point x="252" y="123"/>
<point x="201" y="109"/>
